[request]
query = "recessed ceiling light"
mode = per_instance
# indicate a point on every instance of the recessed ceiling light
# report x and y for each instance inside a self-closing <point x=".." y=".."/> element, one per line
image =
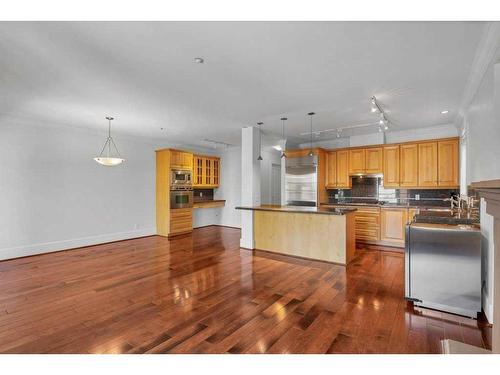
<point x="199" y="60"/>
<point x="444" y="112"/>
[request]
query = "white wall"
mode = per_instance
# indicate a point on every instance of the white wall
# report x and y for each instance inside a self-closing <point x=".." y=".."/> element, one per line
<point x="54" y="196"/>
<point x="230" y="188"/>
<point x="482" y="136"/>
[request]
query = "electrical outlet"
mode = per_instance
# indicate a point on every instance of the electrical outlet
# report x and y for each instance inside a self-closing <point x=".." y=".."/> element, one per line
<point x="417" y="197"/>
<point x="336" y="196"/>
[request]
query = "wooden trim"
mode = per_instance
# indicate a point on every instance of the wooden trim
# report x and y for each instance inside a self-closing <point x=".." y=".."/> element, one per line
<point x="490" y="184"/>
<point x="209" y="204"/>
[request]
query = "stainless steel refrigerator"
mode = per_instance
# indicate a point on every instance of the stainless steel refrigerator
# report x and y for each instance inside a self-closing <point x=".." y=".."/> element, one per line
<point x="301" y="181"/>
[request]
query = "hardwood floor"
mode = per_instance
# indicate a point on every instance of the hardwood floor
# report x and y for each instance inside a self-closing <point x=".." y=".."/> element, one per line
<point x="202" y="294"/>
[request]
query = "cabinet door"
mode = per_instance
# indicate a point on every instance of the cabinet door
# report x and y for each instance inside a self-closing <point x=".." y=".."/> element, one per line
<point x="374" y="159"/>
<point x="427" y="164"/>
<point x="181" y="160"/>
<point x="331" y="169"/>
<point x="392" y="225"/>
<point x="181" y="220"/>
<point x="343" y="180"/>
<point x="391" y="166"/>
<point x="357" y="161"/>
<point x="408" y="175"/>
<point x="448" y="163"/>
<point x="208" y="172"/>
<point x="215" y="172"/>
<point x="198" y="171"/>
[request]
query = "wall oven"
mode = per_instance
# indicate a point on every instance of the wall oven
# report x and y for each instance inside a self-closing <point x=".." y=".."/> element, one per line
<point x="180" y="177"/>
<point x="181" y="198"/>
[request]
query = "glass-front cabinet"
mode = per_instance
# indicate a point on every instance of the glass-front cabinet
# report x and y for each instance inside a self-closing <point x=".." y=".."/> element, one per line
<point x="206" y="171"/>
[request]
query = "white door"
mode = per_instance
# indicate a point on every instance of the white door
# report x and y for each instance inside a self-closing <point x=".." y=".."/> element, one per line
<point x="276" y="184"/>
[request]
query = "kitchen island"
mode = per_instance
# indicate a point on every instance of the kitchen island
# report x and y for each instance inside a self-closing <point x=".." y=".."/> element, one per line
<point x="319" y="233"/>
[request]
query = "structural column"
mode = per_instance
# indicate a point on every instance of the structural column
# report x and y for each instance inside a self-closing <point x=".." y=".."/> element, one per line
<point x="250" y="182"/>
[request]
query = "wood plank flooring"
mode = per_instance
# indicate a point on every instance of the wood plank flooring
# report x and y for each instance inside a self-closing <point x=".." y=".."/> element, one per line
<point x="203" y="294"/>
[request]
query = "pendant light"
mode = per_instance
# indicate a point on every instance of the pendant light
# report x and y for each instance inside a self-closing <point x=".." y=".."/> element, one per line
<point x="260" y="141"/>
<point x="109" y="160"/>
<point x="283" y="119"/>
<point x="311" y="114"/>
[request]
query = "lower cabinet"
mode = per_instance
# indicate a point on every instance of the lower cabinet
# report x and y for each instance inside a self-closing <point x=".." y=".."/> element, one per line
<point x="367" y="224"/>
<point x="181" y="221"/>
<point x="382" y="226"/>
<point x="393" y="223"/>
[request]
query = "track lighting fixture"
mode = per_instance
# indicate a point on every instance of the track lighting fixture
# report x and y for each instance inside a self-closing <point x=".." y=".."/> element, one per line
<point x="374" y="107"/>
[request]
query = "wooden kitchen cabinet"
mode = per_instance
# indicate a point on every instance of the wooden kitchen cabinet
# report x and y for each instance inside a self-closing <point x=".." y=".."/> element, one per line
<point x="374" y="160"/>
<point x="427" y="164"/>
<point x="448" y="172"/>
<point x="331" y="170"/>
<point x="367" y="226"/>
<point x="357" y="161"/>
<point x="392" y="225"/>
<point x="181" y="221"/>
<point x="198" y="170"/>
<point x="408" y="163"/>
<point x="343" y="179"/>
<point x="181" y="159"/>
<point x="391" y="166"/>
<point x="206" y="171"/>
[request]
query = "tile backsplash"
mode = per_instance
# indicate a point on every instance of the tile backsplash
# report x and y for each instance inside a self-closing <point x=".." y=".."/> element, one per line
<point x="372" y="188"/>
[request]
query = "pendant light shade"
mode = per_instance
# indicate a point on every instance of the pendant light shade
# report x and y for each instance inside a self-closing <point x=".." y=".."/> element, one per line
<point x="283" y="119"/>
<point x="106" y="156"/>
<point x="260" y="141"/>
<point x="311" y="114"/>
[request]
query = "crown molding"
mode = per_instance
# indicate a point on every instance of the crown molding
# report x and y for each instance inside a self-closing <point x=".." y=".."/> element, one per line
<point x="486" y="51"/>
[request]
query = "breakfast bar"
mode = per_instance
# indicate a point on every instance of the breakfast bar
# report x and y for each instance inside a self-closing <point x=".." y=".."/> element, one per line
<point x="319" y="233"/>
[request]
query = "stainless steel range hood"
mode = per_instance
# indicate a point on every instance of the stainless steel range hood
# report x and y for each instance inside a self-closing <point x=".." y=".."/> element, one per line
<point x="301" y="181"/>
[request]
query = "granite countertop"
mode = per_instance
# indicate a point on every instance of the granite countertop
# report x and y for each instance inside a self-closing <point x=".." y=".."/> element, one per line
<point x="301" y="209"/>
<point x="450" y="217"/>
<point x="422" y="205"/>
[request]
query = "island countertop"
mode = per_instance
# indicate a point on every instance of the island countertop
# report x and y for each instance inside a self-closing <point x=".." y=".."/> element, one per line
<point x="300" y="209"/>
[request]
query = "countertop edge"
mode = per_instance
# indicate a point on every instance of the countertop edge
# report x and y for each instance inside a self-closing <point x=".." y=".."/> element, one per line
<point x="291" y="210"/>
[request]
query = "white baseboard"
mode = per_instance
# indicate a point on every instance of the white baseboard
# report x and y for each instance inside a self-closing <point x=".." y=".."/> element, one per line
<point x="48" y="247"/>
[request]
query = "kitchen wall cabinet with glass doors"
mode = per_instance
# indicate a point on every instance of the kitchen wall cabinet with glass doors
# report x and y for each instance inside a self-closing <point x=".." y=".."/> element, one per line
<point x="206" y="171"/>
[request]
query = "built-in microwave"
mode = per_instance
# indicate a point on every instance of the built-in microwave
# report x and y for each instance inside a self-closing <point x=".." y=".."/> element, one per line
<point x="181" y="177"/>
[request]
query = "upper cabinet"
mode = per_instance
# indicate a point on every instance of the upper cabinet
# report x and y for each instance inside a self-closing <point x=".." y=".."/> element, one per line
<point x="408" y="164"/>
<point x="331" y="169"/>
<point x="391" y="166"/>
<point x="181" y="159"/>
<point x="448" y="173"/>
<point x="365" y="160"/>
<point x="357" y="161"/>
<point x="427" y="164"/>
<point x="343" y="180"/>
<point x="374" y="158"/>
<point x="206" y="171"/>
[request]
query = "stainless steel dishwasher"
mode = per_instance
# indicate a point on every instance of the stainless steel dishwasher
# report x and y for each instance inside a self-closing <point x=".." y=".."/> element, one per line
<point x="443" y="267"/>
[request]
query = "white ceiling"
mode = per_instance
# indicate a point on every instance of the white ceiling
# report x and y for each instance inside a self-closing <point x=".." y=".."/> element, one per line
<point x="76" y="73"/>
